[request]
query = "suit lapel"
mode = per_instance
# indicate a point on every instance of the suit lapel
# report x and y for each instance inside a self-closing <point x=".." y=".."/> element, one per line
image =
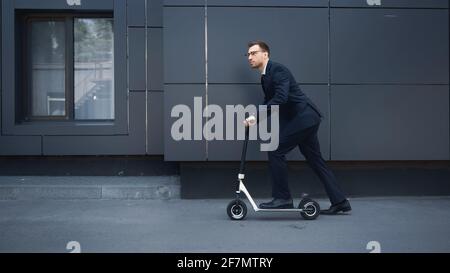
<point x="265" y="79"/>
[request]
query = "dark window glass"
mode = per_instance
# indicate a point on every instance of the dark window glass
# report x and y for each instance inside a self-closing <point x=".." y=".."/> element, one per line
<point x="94" y="68"/>
<point x="48" y="68"/>
<point x="68" y="67"/>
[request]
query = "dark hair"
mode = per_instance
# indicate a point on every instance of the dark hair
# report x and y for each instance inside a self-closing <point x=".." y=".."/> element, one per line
<point x="262" y="45"/>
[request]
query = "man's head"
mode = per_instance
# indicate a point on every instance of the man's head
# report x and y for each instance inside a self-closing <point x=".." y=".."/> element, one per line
<point x="258" y="54"/>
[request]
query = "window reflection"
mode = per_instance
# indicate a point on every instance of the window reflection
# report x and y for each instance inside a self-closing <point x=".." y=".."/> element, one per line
<point x="47" y="68"/>
<point x="94" y="70"/>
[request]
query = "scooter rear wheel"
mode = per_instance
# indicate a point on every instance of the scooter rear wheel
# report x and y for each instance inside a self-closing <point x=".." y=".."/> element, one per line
<point x="237" y="210"/>
<point x="311" y="209"/>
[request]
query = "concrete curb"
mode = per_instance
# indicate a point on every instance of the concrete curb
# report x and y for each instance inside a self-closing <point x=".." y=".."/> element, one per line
<point x="89" y="187"/>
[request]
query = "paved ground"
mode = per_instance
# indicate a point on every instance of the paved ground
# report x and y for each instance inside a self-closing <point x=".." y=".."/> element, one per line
<point x="403" y="224"/>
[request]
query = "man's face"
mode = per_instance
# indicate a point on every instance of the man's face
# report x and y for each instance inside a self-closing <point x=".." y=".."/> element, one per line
<point x="256" y="57"/>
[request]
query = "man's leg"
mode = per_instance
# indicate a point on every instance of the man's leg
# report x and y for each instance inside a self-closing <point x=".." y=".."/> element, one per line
<point x="278" y="166"/>
<point x="310" y="148"/>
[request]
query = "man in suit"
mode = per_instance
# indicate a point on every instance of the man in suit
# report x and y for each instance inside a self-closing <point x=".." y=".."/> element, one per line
<point x="299" y="121"/>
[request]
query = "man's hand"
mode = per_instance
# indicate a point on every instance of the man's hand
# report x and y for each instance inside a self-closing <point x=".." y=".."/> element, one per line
<point x="250" y="121"/>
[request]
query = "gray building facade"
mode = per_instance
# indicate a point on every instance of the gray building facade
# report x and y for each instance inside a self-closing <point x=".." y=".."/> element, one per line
<point x="378" y="70"/>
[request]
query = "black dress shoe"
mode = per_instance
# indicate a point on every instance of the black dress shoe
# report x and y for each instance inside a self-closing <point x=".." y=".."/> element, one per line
<point x="343" y="206"/>
<point x="277" y="203"/>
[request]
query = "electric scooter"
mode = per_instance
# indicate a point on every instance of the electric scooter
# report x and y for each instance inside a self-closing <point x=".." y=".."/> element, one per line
<point x="237" y="210"/>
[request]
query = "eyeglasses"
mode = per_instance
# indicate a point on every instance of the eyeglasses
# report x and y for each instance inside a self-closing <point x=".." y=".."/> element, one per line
<point x="252" y="53"/>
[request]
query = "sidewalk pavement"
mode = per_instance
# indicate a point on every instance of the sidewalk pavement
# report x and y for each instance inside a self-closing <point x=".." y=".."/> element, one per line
<point x="397" y="224"/>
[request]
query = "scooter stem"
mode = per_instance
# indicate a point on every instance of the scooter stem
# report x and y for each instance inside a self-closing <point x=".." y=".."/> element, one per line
<point x="244" y="151"/>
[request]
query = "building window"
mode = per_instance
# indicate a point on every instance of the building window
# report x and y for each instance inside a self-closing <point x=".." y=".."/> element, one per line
<point x="94" y="68"/>
<point x="47" y="54"/>
<point x="68" y="67"/>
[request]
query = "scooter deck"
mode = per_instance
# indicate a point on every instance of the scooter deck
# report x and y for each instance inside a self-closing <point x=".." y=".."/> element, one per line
<point x="279" y="210"/>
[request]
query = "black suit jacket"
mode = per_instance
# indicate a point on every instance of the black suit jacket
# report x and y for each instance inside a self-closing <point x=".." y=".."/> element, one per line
<point x="296" y="110"/>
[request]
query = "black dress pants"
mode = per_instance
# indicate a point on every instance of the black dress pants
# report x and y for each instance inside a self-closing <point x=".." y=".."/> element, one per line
<point x="308" y="143"/>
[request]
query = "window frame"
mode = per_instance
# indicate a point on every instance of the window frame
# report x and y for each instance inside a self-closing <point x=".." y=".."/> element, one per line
<point x="11" y="124"/>
<point x="26" y="48"/>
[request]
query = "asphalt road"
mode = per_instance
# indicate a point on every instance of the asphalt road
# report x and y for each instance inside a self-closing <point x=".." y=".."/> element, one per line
<point x="394" y="224"/>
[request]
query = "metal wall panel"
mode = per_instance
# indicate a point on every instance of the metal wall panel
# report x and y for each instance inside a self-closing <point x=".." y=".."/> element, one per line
<point x="136" y="13"/>
<point x="1" y="50"/>
<point x="269" y="3"/>
<point x="168" y="3"/>
<point x="132" y="144"/>
<point x="62" y="4"/>
<point x="266" y="3"/>
<point x="136" y="58"/>
<point x="389" y="46"/>
<point x="20" y="145"/>
<point x="184" y="45"/>
<point x="155" y="59"/>
<point x="120" y="63"/>
<point x="155" y="136"/>
<point x="390" y="3"/>
<point x="7" y="18"/>
<point x="183" y="150"/>
<point x="233" y="94"/>
<point x="155" y="13"/>
<point x="388" y="122"/>
<point x="298" y="38"/>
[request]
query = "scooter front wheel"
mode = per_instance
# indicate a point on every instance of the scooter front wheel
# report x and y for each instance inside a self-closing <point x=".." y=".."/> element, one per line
<point x="237" y="210"/>
<point x="311" y="209"/>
